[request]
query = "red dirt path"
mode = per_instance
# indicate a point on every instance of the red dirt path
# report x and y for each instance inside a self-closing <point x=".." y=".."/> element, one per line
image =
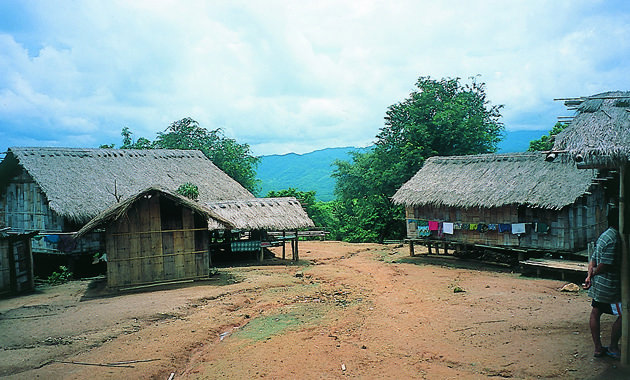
<point x="364" y="311"/>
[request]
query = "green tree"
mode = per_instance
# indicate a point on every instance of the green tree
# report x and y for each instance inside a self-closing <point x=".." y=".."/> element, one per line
<point x="546" y="142"/>
<point x="443" y="118"/>
<point x="128" y="143"/>
<point x="233" y="158"/>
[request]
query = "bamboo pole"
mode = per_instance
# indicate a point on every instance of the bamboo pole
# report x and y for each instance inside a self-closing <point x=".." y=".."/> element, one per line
<point x="625" y="262"/>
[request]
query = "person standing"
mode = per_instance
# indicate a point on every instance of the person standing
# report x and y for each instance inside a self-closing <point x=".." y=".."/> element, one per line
<point x="604" y="286"/>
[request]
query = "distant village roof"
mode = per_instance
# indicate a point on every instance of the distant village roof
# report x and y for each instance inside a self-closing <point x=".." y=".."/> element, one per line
<point x="600" y="130"/>
<point x="496" y="180"/>
<point x="120" y="209"/>
<point x="263" y="213"/>
<point x="81" y="183"/>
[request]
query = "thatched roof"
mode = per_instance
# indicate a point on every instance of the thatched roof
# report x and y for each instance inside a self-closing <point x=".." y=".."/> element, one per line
<point x="119" y="210"/>
<point x="496" y="180"/>
<point x="81" y="183"/>
<point x="600" y="130"/>
<point x="263" y="213"/>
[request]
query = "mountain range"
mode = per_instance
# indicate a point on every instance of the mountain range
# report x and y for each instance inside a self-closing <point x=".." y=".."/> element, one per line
<point x="311" y="171"/>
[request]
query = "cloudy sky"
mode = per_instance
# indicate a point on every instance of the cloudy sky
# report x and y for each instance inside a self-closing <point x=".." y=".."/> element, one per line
<point x="290" y="76"/>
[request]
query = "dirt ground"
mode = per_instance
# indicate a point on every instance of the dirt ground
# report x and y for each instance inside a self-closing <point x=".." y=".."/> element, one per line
<point x="363" y="311"/>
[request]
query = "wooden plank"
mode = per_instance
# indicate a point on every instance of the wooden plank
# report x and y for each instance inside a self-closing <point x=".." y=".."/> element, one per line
<point x="575" y="266"/>
<point x="188" y="225"/>
<point x="178" y="247"/>
<point x="156" y="264"/>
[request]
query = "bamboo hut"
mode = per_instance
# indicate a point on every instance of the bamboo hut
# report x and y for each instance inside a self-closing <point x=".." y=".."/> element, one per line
<point x="57" y="190"/>
<point x="598" y="136"/>
<point x="156" y="236"/>
<point x="510" y="201"/>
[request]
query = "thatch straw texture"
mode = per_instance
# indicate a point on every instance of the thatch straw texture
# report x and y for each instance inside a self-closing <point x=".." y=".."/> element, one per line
<point x="496" y="180"/>
<point x="120" y="209"/>
<point x="263" y="213"/>
<point x="81" y="183"/>
<point x="600" y="130"/>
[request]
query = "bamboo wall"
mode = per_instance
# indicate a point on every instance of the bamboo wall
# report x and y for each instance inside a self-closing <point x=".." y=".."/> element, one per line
<point x="157" y="241"/>
<point x="16" y="264"/>
<point x="24" y="208"/>
<point x="571" y="229"/>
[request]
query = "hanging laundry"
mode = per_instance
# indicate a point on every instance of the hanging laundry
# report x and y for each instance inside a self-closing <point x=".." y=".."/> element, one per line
<point x="473" y="226"/>
<point x="457" y="226"/>
<point x="448" y="228"/>
<point x="424" y="231"/>
<point x="482" y="227"/>
<point x="465" y="226"/>
<point x="51" y="238"/>
<point x="493" y="227"/>
<point x="67" y="243"/>
<point x="422" y="223"/>
<point x="434" y="226"/>
<point x="518" y="228"/>
<point x="542" y="228"/>
<point x="505" y="227"/>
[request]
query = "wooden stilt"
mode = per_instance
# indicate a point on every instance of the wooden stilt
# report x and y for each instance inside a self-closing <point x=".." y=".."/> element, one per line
<point x="411" y="251"/>
<point x="296" y="254"/>
<point x="284" y="235"/>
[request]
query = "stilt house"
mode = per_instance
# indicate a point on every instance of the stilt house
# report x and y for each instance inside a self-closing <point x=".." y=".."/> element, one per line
<point x="505" y="201"/>
<point x="599" y="137"/>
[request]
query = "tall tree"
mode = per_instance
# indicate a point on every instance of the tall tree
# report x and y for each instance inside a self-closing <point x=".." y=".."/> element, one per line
<point x="545" y="142"/>
<point x="443" y="118"/>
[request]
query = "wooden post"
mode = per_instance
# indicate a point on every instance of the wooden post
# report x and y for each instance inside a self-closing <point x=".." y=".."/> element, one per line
<point x="625" y="262"/>
<point x="284" y="233"/>
<point x="296" y="255"/>
<point x="429" y="246"/>
<point x="411" y="251"/>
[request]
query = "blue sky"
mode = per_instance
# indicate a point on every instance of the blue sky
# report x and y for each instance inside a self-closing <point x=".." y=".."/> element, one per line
<point x="290" y="76"/>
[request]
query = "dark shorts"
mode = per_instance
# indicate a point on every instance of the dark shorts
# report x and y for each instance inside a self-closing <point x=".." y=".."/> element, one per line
<point x="605" y="308"/>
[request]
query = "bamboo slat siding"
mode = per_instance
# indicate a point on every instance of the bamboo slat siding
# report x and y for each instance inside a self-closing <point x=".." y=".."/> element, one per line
<point x="571" y="229"/>
<point x="24" y="207"/>
<point x="157" y="241"/>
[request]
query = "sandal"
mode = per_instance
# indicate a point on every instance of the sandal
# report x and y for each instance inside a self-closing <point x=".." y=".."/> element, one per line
<point x="602" y="353"/>
<point x="614" y="355"/>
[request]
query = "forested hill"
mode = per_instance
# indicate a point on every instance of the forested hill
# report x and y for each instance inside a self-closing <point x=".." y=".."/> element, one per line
<point x="311" y="171"/>
<point x="305" y="172"/>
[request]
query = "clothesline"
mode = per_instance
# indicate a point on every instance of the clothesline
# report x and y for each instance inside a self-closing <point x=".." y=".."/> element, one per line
<point x="426" y="227"/>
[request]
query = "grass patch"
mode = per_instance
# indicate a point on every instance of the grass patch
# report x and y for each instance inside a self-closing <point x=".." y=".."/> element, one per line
<point x="265" y="327"/>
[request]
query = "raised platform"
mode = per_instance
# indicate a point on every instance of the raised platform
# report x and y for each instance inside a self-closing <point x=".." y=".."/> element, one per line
<point x="566" y="268"/>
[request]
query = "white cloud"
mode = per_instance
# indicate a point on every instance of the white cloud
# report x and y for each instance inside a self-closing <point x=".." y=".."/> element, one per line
<point x="290" y="76"/>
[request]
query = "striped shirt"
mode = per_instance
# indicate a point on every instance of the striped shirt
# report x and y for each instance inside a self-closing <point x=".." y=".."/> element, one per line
<point x="606" y="286"/>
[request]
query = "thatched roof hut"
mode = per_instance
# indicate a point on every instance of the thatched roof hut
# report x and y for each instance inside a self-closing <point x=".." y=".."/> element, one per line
<point x="599" y="134"/>
<point x="548" y="206"/>
<point x="80" y="183"/>
<point x="263" y="213"/>
<point x="119" y="210"/>
<point x="496" y="180"/>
